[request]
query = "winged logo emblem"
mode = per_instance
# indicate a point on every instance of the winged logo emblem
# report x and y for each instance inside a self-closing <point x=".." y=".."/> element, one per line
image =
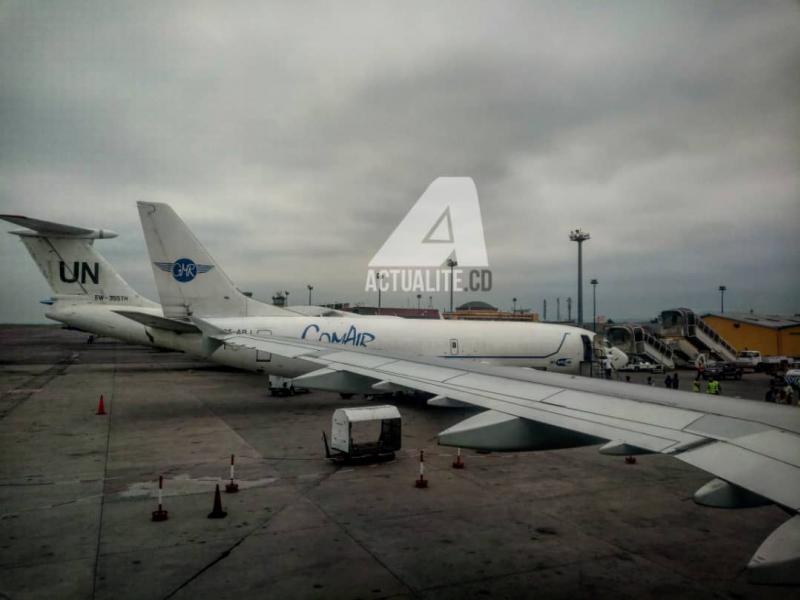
<point x="183" y="270"/>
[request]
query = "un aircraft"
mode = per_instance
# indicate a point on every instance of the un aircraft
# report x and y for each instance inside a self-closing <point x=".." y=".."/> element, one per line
<point x="752" y="449"/>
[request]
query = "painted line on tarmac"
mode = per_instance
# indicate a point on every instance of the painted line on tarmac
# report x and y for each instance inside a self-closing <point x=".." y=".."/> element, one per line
<point x="40" y="380"/>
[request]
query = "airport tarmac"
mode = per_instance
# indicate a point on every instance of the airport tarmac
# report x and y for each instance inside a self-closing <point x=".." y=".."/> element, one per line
<point x="77" y="491"/>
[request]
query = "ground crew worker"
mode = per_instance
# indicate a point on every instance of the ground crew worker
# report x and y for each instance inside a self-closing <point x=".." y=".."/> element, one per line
<point x="771" y="395"/>
<point x="607" y="367"/>
<point x="713" y="387"/>
<point x="696" y="384"/>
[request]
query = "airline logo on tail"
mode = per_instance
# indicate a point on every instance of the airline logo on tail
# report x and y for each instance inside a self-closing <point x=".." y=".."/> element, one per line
<point x="183" y="270"/>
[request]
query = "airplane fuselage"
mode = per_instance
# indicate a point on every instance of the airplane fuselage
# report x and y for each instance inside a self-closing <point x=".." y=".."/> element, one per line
<point x="538" y="345"/>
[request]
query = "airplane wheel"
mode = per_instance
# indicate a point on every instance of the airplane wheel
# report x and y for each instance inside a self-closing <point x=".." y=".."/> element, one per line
<point x="345" y="396"/>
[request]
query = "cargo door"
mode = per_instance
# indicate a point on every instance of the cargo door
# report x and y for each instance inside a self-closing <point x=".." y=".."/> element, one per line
<point x="261" y="356"/>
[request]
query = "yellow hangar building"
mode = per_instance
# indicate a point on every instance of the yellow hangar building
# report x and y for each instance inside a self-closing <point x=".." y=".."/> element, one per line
<point x="771" y="335"/>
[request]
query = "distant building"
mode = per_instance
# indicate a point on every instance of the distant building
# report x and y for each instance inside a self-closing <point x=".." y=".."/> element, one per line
<point x="483" y="311"/>
<point x="771" y="335"/>
<point x="339" y="306"/>
<point x="406" y="313"/>
<point x="279" y="299"/>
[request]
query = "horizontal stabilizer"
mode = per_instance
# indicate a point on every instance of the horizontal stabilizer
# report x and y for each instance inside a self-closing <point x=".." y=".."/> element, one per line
<point x="149" y="320"/>
<point x="57" y="229"/>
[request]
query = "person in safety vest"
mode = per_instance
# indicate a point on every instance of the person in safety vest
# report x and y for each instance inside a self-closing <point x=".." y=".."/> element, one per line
<point x="714" y="387"/>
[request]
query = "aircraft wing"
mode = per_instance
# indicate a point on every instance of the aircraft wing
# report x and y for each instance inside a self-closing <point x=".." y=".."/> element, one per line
<point x="752" y="447"/>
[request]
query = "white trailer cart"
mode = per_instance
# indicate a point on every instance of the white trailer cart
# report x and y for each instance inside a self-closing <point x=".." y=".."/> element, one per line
<point x="353" y="433"/>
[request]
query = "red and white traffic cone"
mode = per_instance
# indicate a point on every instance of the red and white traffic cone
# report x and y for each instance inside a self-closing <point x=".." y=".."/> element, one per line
<point x="101" y="406"/>
<point x="421" y="482"/>
<point x="160" y="514"/>
<point x="231" y="487"/>
<point x="458" y="464"/>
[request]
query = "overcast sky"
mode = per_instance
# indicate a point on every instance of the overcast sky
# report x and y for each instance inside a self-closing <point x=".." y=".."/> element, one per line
<point x="293" y="137"/>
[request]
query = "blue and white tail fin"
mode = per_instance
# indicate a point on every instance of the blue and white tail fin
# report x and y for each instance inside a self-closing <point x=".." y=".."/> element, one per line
<point x="66" y="256"/>
<point x="189" y="281"/>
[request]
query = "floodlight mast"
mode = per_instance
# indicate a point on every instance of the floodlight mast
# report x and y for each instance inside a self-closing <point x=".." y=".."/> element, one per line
<point x="580" y="236"/>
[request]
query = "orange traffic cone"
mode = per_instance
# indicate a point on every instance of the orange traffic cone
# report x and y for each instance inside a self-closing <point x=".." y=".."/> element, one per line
<point x="217" y="512"/>
<point x="101" y="406"/>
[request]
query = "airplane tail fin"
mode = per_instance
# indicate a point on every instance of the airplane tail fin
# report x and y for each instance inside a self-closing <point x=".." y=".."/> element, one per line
<point x="189" y="281"/>
<point x="66" y="256"/>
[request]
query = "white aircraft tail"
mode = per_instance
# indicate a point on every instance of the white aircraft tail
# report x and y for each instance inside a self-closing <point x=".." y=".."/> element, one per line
<point x="189" y="281"/>
<point x="66" y="256"/>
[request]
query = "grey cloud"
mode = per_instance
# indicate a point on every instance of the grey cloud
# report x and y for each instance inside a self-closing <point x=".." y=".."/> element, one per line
<point x="293" y="138"/>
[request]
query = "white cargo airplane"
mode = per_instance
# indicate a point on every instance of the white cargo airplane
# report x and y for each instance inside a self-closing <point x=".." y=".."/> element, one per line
<point x="191" y="285"/>
<point x="91" y="296"/>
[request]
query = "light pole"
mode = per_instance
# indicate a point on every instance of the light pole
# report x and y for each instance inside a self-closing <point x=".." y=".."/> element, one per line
<point x="558" y="309"/>
<point x="514" y="311"/>
<point x="722" y="289"/>
<point x="594" y="304"/>
<point x="544" y="307"/>
<point x="569" y="309"/>
<point x="419" y="301"/>
<point x="310" y="287"/>
<point x="452" y="264"/>
<point x="378" y="278"/>
<point x="287" y="297"/>
<point x="580" y="237"/>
